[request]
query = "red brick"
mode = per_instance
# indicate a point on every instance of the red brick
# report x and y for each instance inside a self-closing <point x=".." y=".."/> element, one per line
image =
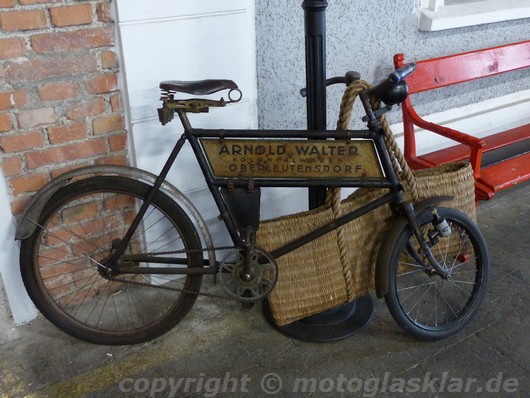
<point x="36" y="117"/>
<point x="118" y="142"/>
<point x="13" y="99"/>
<point x="105" y="83"/>
<point x="21" y="141"/>
<point x="5" y="122"/>
<point x="61" y="170"/>
<point x="80" y="14"/>
<point x="115" y="103"/>
<point x="56" y="155"/>
<point x="72" y="41"/>
<point x="39" y="69"/>
<point x="119" y="160"/>
<point x="81" y="110"/>
<point x="109" y="59"/>
<point x="18" y="205"/>
<point x="107" y="124"/>
<point x="58" y="91"/>
<point x="27" y="183"/>
<point x="12" y="166"/>
<point x="28" y="2"/>
<point x="104" y="12"/>
<point x="67" y="133"/>
<point x="23" y="20"/>
<point x="12" y="47"/>
<point x="7" y="3"/>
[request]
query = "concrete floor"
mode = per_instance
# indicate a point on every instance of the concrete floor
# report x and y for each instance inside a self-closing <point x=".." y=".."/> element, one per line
<point x="222" y="349"/>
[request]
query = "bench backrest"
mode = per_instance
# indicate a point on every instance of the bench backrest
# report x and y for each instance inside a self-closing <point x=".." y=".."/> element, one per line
<point x="444" y="71"/>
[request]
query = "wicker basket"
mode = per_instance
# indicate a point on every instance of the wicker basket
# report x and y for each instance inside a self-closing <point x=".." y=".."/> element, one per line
<point x="339" y="266"/>
<point x="335" y="269"/>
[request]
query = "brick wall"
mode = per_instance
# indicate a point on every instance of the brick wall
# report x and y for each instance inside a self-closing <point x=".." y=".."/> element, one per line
<point x="60" y="106"/>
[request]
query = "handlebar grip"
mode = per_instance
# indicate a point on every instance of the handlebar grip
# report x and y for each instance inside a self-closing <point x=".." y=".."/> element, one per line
<point x="401" y="73"/>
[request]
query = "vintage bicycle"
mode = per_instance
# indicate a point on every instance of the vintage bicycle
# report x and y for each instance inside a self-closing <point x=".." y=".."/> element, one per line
<point x="116" y="255"/>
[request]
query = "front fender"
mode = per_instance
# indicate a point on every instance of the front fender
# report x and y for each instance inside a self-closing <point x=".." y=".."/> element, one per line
<point x="390" y="238"/>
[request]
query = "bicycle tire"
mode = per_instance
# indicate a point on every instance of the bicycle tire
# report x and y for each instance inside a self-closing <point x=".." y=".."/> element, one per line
<point x="427" y="306"/>
<point x="61" y="262"/>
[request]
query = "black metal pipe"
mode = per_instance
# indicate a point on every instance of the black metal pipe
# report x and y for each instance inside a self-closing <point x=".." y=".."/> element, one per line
<point x="315" y="51"/>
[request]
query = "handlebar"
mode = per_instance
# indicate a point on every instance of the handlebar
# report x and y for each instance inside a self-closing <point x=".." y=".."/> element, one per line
<point x="401" y="73"/>
<point x="392" y="90"/>
<point x="395" y="77"/>
<point x="347" y="79"/>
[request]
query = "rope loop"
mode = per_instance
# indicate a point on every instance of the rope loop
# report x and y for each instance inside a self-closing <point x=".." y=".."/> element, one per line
<point x="399" y="163"/>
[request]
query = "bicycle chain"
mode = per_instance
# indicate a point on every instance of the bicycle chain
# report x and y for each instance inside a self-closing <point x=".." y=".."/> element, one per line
<point x="182" y="290"/>
<point x="132" y="256"/>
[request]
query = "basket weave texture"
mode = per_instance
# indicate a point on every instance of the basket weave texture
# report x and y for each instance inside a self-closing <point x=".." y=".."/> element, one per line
<point x="339" y="266"/>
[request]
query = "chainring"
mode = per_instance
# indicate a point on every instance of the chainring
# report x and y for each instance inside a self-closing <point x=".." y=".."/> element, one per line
<point x="263" y="276"/>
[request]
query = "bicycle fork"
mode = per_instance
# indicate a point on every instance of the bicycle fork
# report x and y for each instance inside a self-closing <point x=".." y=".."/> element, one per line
<point x="375" y="126"/>
<point x="424" y="246"/>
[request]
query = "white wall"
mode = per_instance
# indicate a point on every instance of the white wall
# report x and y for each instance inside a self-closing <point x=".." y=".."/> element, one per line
<point x="363" y="36"/>
<point x="189" y="40"/>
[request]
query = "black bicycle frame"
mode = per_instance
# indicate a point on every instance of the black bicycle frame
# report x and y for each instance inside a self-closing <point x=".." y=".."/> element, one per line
<point x="194" y="135"/>
<point x="389" y="181"/>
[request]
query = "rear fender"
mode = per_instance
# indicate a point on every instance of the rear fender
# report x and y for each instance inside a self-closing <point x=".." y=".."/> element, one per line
<point x="28" y="222"/>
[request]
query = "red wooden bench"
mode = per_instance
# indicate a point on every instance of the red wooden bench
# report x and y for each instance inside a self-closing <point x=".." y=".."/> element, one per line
<point x="494" y="174"/>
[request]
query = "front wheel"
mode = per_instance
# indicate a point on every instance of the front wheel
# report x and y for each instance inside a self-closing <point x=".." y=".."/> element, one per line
<point x="64" y="263"/>
<point x="420" y="301"/>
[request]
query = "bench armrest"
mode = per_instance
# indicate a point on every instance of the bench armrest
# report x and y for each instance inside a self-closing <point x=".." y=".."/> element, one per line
<point x="475" y="144"/>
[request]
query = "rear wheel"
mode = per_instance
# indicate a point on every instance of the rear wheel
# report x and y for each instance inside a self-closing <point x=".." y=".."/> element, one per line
<point x="63" y="263"/>
<point x="420" y="301"/>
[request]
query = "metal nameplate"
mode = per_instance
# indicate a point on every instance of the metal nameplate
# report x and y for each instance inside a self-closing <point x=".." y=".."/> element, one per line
<point x="251" y="158"/>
